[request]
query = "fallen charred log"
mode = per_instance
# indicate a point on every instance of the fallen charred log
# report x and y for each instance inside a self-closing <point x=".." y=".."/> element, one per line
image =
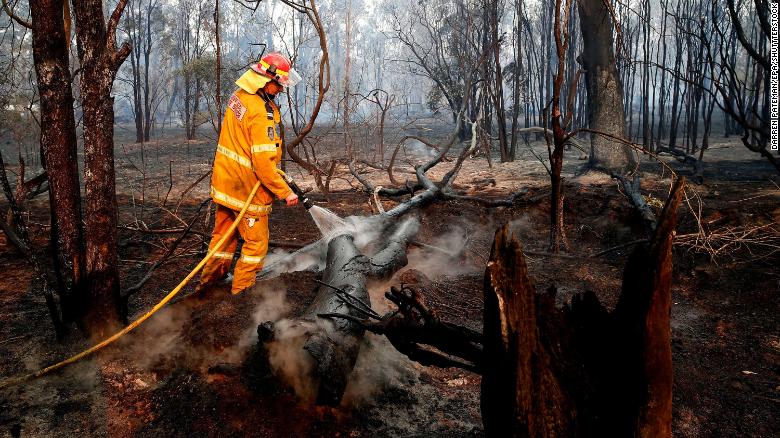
<point x="329" y="347"/>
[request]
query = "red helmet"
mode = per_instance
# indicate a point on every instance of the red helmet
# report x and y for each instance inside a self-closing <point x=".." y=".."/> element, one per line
<point x="277" y="67"/>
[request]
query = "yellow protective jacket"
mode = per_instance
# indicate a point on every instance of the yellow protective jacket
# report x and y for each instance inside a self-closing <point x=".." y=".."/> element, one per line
<point x="249" y="150"/>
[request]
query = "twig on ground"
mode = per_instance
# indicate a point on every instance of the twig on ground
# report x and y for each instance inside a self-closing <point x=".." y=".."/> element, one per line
<point x="135" y="288"/>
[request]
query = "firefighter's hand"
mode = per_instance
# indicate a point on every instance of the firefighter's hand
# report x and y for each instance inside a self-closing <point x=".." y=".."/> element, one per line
<point x="291" y="199"/>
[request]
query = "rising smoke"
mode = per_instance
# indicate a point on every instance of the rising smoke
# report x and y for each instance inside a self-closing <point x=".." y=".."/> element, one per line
<point x="379" y="365"/>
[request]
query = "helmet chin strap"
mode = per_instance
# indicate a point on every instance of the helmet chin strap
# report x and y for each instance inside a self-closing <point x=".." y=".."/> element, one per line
<point x="270" y="95"/>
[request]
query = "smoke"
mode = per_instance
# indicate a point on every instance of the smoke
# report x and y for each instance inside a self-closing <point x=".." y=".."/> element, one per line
<point x="286" y="354"/>
<point x="160" y="336"/>
<point x="366" y="230"/>
<point x="418" y="150"/>
<point x="272" y="305"/>
<point x="288" y="359"/>
<point x="81" y="376"/>
<point x="379" y="367"/>
<point x="444" y="255"/>
<point x="188" y="333"/>
<point x="523" y="228"/>
<point x="279" y="261"/>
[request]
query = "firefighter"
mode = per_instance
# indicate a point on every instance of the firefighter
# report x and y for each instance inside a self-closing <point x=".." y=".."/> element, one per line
<point x="249" y="150"/>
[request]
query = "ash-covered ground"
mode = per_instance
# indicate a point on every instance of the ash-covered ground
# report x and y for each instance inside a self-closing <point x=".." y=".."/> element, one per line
<point x="193" y="370"/>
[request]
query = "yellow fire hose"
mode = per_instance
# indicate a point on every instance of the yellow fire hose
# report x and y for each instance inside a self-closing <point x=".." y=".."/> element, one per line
<point x="144" y="317"/>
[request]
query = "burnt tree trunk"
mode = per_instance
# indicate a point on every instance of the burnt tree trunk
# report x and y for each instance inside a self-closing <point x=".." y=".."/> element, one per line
<point x="497" y="96"/>
<point x="557" y="232"/>
<point x="330" y="341"/>
<point x="58" y="147"/>
<point x="606" y="114"/>
<point x="580" y="370"/>
<point x="562" y="40"/>
<point x="100" y="61"/>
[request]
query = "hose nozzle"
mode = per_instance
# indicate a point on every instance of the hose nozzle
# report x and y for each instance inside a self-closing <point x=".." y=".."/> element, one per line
<point x="297" y="190"/>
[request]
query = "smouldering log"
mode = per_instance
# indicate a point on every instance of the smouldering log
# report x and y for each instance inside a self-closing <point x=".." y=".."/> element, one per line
<point x="333" y="344"/>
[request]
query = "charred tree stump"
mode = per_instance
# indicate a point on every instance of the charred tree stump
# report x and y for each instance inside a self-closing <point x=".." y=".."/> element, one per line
<point x="328" y="330"/>
<point x="579" y="370"/>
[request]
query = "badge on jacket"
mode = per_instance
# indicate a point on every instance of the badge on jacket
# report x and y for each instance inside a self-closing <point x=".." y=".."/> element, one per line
<point x="238" y="108"/>
<point x="251" y="222"/>
<point x="270" y="132"/>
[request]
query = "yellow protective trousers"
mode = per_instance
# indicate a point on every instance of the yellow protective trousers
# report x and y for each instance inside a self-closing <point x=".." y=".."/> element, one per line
<point x="254" y="231"/>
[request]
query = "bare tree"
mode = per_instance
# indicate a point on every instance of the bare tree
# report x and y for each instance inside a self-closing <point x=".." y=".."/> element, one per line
<point x="563" y="13"/>
<point x="744" y="97"/>
<point x="323" y="85"/>
<point x="190" y="42"/>
<point x="142" y="25"/>
<point x="492" y="13"/>
<point x="442" y="43"/>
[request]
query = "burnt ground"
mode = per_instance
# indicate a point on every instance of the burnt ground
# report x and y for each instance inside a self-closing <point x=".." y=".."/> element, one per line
<point x="193" y="369"/>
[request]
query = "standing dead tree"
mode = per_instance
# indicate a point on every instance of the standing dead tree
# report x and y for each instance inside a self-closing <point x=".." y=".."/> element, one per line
<point x="555" y="154"/>
<point x="384" y="101"/>
<point x="190" y="30"/>
<point x="605" y="89"/>
<point x="85" y="257"/>
<point x="580" y="370"/>
<point x="442" y="41"/>
<point x="141" y="22"/>
<point x="497" y="93"/>
<point x="745" y="99"/>
<point x="100" y="60"/>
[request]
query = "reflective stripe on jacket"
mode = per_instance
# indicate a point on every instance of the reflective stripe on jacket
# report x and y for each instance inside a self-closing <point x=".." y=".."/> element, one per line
<point x="249" y="149"/>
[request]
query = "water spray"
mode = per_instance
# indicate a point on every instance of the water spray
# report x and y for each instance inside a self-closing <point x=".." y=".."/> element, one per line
<point x="329" y="223"/>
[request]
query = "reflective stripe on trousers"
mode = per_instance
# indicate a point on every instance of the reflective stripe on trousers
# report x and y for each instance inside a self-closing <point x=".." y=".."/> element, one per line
<point x="252" y="252"/>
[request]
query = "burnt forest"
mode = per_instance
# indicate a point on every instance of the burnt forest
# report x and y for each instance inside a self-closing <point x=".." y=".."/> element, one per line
<point x="389" y="218"/>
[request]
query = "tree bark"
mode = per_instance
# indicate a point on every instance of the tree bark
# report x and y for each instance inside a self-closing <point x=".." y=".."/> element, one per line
<point x="100" y="61"/>
<point x="58" y="147"/>
<point x="605" y="90"/>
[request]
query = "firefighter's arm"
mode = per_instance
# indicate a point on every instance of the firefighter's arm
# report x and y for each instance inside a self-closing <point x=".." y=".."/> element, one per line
<point x="264" y="152"/>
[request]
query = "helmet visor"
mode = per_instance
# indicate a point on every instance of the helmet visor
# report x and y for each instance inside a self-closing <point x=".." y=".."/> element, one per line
<point x="292" y="78"/>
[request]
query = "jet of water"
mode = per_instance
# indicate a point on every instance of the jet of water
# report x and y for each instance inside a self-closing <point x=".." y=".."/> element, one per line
<point x="329" y="223"/>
